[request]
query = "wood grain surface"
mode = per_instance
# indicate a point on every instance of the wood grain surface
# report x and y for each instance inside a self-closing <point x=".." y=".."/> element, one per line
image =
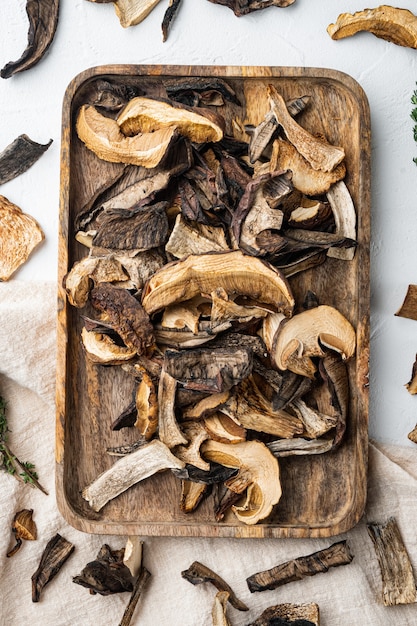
<point x="323" y="495"/>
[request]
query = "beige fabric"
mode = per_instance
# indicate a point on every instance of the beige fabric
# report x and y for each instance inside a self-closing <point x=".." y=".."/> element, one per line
<point x="346" y="595"/>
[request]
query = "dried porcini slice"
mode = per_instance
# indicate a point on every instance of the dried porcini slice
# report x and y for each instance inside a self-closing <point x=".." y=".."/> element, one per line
<point x="395" y="25"/>
<point x="319" y="562"/>
<point x="55" y="554"/>
<point x="169" y="17"/>
<point x="198" y="574"/>
<point x="19" y="156"/>
<point x="19" y="235"/>
<point x="289" y="614"/>
<point x="107" y="574"/>
<point x="132" y="12"/>
<point x="43" y="20"/>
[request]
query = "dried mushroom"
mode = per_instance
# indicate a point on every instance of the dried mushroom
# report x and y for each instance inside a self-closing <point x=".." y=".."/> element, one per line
<point x="101" y="348"/>
<point x="19" y="236"/>
<point x="243" y="7"/>
<point x="289" y="614"/>
<point x="198" y="574"/>
<point x="56" y="552"/>
<point x="398" y="26"/>
<point x="23" y="527"/>
<point x="43" y="21"/>
<point x="107" y="574"/>
<point x="218" y="612"/>
<point x="258" y="475"/>
<point x="19" y="156"/>
<point x="132" y="12"/>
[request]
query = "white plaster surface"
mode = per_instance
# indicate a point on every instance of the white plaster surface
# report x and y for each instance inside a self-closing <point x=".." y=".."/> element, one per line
<point x="90" y="34"/>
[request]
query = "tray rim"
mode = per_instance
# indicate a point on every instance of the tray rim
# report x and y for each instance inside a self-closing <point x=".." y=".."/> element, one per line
<point x="159" y="528"/>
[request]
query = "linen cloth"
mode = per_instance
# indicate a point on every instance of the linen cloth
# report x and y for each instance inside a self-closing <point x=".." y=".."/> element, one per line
<point x="348" y="595"/>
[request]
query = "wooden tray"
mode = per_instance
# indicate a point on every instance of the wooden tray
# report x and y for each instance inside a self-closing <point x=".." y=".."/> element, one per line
<point x="323" y="495"/>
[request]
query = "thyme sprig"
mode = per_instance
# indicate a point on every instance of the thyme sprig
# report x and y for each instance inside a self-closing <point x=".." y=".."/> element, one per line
<point x="23" y="471"/>
<point x="414" y="118"/>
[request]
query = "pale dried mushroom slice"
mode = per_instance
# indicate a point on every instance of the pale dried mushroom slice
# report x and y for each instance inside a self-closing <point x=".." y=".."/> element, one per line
<point x="222" y="428"/>
<point x="144" y="115"/>
<point x="83" y="274"/>
<point x="147" y="407"/>
<point x="345" y="218"/>
<point x="320" y="154"/>
<point x="132" y="12"/>
<point x="395" y="25"/>
<point x="258" y="473"/>
<point x="191" y="495"/>
<point x="195" y="433"/>
<point x="19" y="235"/>
<point x="224" y="311"/>
<point x="307" y="333"/>
<point x="128" y="470"/>
<point x="193" y="238"/>
<point x="169" y="431"/>
<point x="408" y="308"/>
<point x="316" y="424"/>
<point x="101" y="349"/>
<point x="201" y="274"/>
<point x="306" y="179"/>
<point x="218" y="612"/>
<point x="103" y="136"/>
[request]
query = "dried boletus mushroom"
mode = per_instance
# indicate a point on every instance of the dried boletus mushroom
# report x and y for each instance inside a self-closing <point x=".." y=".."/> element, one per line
<point x="306" y="334"/>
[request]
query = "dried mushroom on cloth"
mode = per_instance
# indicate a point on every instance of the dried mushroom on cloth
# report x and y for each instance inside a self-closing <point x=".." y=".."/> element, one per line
<point x="19" y="235"/>
<point x="231" y="368"/>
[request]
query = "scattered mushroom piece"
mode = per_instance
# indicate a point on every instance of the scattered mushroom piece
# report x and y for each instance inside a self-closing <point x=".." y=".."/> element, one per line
<point x="175" y="87"/>
<point x="320" y="154"/>
<point x="398" y="26"/>
<point x="411" y="386"/>
<point x="19" y="156"/>
<point x="23" y="527"/>
<point x="398" y="584"/>
<point x="243" y="7"/>
<point x="19" y="235"/>
<point x="55" y="554"/>
<point x="297" y="569"/>
<point x="218" y="612"/>
<point x="316" y="424"/>
<point x="306" y="179"/>
<point x="299" y="446"/>
<point x="311" y="213"/>
<point x="103" y="136"/>
<point x="43" y="21"/>
<point x="132" y="556"/>
<point x="258" y="473"/>
<point x="198" y="574"/>
<point x="304" y="336"/>
<point x="169" y="17"/>
<point x="408" y="308"/>
<point x="187" y="238"/>
<point x="186" y="314"/>
<point x="132" y="12"/>
<point x="345" y="218"/>
<point x="144" y="115"/>
<point x="297" y="614"/>
<point x="412" y="436"/>
<point x="129" y="470"/>
<point x="107" y="574"/>
<point x="222" y="428"/>
<point x="224" y="311"/>
<point x="235" y="272"/>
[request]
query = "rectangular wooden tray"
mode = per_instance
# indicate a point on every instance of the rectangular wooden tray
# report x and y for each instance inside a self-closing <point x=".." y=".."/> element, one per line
<point x="323" y="495"/>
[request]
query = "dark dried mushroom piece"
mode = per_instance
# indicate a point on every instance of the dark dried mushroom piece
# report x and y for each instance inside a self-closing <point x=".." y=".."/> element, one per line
<point x="243" y="7"/>
<point x="126" y="316"/>
<point x="23" y="527"/>
<point x="107" y="574"/>
<point x="176" y="87"/>
<point x="19" y="156"/>
<point x="198" y="574"/>
<point x="297" y="569"/>
<point x="55" y="554"/>
<point x="408" y="308"/>
<point x="398" y="584"/>
<point x="411" y="386"/>
<point x="43" y="20"/>
<point x="169" y="17"/>
<point x="289" y="615"/>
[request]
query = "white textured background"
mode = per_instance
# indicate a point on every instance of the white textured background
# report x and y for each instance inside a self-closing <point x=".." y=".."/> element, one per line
<point x="89" y="34"/>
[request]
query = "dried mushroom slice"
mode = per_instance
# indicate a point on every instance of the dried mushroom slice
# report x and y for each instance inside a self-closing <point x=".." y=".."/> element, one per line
<point x="198" y="574"/>
<point x="43" y="20"/>
<point x="306" y="334"/>
<point x="297" y="614"/>
<point x="132" y="12"/>
<point x="103" y="136"/>
<point x="398" y="26"/>
<point x="243" y="7"/>
<point x="19" y="156"/>
<point x="345" y="218"/>
<point x="79" y="280"/>
<point x="144" y="115"/>
<point x="235" y="272"/>
<point x="258" y="474"/>
<point x="320" y="154"/>
<point x="19" y="235"/>
<point x="101" y="348"/>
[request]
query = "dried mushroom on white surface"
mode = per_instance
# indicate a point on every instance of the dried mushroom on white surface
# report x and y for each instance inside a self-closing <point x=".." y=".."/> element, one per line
<point x="231" y="370"/>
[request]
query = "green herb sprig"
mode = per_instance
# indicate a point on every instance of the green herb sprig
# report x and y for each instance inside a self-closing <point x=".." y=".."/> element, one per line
<point x="414" y="118"/>
<point x="23" y="471"/>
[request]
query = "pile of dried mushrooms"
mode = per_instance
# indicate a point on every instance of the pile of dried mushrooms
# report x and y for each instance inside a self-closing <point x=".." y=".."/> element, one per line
<point x="187" y="285"/>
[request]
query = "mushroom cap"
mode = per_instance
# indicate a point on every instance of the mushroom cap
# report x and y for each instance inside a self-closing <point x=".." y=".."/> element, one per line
<point x="302" y="337"/>
<point x="102" y="349"/>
